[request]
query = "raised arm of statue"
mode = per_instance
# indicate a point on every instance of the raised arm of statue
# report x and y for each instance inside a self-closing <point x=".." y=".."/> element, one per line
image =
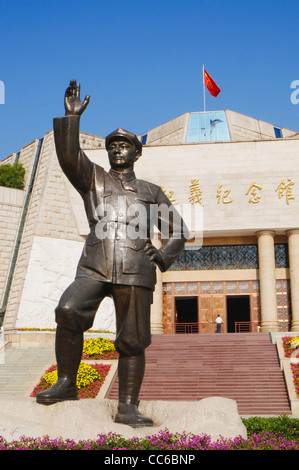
<point x="72" y="102"/>
<point x="73" y="161"/>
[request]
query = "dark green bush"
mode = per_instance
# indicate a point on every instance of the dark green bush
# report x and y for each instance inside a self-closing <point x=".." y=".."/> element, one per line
<point x="281" y="424"/>
<point x="12" y="176"/>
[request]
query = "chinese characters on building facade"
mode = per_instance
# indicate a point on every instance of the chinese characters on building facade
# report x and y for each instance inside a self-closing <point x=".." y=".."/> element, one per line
<point x="253" y="192"/>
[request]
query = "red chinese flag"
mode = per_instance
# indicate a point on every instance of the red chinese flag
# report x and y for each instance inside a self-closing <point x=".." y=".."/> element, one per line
<point x="211" y="85"/>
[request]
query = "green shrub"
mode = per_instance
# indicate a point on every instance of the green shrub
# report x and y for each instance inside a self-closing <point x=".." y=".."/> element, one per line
<point x="12" y="176"/>
<point x="281" y="424"/>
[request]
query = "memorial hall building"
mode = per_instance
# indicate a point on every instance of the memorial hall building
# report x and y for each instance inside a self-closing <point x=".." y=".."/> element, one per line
<point x="242" y="262"/>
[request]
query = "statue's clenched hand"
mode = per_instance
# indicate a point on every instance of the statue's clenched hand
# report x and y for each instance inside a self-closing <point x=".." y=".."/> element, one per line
<point x="153" y="253"/>
<point x="72" y="103"/>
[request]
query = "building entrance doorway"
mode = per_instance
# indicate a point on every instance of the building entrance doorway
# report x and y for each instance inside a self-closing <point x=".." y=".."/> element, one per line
<point x="186" y="320"/>
<point x="238" y="310"/>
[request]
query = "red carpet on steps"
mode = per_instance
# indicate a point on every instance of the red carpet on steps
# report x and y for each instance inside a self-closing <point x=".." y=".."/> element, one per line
<point x="243" y="367"/>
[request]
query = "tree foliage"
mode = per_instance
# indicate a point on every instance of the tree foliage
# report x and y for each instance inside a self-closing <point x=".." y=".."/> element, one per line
<point x="12" y="176"/>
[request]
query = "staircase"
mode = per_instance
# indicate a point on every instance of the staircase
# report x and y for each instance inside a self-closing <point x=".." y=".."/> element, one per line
<point x="21" y="369"/>
<point x="243" y="367"/>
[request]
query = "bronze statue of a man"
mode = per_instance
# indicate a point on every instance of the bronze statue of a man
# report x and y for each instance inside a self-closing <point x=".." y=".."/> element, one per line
<point x="118" y="258"/>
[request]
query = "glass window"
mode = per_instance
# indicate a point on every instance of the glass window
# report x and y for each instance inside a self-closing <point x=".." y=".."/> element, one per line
<point x="207" y="127"/>
<point x="227" y="257"/>
<point x="281" y="255"/>
<point x="218" y="257"/>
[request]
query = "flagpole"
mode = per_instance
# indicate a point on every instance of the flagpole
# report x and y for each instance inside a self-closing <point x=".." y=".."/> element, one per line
<point x="204" y="97"/>
<point x="204" y="92"/>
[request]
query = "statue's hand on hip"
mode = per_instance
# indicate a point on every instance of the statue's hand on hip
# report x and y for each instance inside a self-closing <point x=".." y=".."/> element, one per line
<point x="72" y="103"/>
<point x="154" y="254"/>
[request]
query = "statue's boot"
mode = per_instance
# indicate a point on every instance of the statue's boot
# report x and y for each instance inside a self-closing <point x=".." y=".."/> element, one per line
<point x="68" y="348"/>
<point x="130" y="375"/>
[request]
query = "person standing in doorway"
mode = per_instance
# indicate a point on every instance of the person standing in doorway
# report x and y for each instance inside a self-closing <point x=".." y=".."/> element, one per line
<point x="218" y="322"/>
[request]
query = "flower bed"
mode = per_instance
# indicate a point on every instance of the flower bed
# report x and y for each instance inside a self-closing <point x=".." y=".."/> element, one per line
<point x="164" y="440"/>
<point x="89" y="379"/>
<point x="295" y="371"/>
<point x="290" y="345"/>
<point x="273" y="433"/>
<point x="36" y="329"/>
<point x="99" y="348"/>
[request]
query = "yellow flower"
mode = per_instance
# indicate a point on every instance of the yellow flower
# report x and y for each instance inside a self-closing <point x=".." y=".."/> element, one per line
<point x="294" y="342"/>
<point x="86" y="376"/>
<point x="97" y="346"/>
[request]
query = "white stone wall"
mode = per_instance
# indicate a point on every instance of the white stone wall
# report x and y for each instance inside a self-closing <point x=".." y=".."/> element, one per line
<point x="171" y="132"/>
<point x="56" y="210"/>
<point x="50" y="211"/>
<point x="11" y="203"/>
<point x="235" y="166"/>
<point x="242" y="128"/>
<point x="51" y="269"/>
<point x="55" y="217"/>
<point x="27" y="157"/>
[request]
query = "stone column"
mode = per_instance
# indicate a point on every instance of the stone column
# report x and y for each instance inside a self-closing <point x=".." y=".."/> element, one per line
<point x="157" y="305"/>
<point x="267" y="281"/>
<point x="293" y="239"/>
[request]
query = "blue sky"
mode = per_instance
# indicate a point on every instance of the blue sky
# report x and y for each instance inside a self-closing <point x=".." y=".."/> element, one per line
<point x="141" y="62"/>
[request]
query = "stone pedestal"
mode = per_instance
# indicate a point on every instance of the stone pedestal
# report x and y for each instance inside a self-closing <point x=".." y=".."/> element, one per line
<point x="86" y="419"/>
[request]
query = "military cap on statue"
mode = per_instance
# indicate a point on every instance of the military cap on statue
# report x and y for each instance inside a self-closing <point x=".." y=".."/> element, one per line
<point x="118" y="133"/>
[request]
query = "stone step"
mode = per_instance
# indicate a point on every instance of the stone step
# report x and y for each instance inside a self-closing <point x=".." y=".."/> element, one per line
<point x="21" y="368"/>
<point x="243" y="367"/>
